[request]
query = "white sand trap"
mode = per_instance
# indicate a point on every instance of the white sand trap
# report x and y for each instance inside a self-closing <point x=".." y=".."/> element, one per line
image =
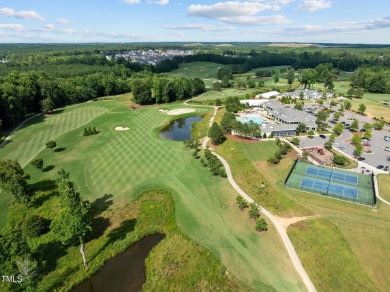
<point x="180" y="111"/>
<point x="121" y="128"/>
<point x="162" y="110"/>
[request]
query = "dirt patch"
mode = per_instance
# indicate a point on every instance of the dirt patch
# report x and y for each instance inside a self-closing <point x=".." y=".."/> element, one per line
<point x="286" y="222"/>
<point x="180" y="111"/>
<point x="241" y="139"/>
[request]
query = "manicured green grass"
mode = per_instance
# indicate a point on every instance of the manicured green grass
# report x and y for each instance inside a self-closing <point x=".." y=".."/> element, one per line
<point x="366" y="230"/>
<point x="228" y="92"/>
<point x="270" y="68"/>
<point x="207" y="71"/>
<point x="384" y="186"/>
<point x="188" y="265"/>
<point x="375" y="108"/>
<point x="122" y="164"/>
<point x="333" y="267"/>
<point x="260" y="151"/>
<point x="249" y="177"/>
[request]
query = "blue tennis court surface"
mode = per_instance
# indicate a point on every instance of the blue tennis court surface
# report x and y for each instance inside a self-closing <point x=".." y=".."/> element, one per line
<point x="332" y="175"/>
<point x="329" y="187"/>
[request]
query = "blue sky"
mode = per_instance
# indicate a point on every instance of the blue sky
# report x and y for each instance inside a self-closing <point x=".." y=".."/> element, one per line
<point x="340" y="21"/>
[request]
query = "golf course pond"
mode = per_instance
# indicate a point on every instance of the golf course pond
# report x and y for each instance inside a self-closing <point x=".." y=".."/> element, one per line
<point x="179" y="129"/>
<point x="125" y="272"/>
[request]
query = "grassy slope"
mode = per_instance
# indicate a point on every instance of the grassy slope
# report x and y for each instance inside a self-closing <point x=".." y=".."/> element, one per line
<point x="363" y="230"/>
<point x="333" y="267"/>
<point x="117" y="228"/>
<point x="384" y="186"/>
<point x="124" y="163"/>
<point x="207" y="71"/>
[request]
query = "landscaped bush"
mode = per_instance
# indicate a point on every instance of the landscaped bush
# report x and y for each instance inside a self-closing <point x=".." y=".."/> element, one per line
<point x="34" y="226"/>
<point x="273" y="160"/>
<point x="339" y="159"/>
<point x="261" y="225"/>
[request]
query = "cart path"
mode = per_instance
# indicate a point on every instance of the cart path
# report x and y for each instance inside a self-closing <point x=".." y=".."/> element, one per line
<point x="281" y="230"/>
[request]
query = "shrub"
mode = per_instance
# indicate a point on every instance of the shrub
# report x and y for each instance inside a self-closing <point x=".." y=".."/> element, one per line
<point x="242" y="204"/>
<point x="38" y="163"/>
<point x="339" y="159"/>
<point x="273" y="160"/>
<point x="295" y="141"/>
<point x="254" y="212"/>
<point x="51" y="144"/>
<point x="34" y="226"/>
<point x="261" y="225"/>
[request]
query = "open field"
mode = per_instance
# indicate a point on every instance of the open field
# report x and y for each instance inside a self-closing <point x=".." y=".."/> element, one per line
<point x="123" y="164"/>
<point x="207" y="71"/>
<point x="363" y="230"/>
<point x="384" y="186"/>
<point x="224" y="93"/>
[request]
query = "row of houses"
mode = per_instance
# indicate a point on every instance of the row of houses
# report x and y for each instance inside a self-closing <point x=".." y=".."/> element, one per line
<point x="297" y="94"/>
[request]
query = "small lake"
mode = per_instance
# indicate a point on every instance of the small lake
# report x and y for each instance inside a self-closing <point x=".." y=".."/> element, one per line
<point x="125" y="272"/>
<point x="179" y="130"/>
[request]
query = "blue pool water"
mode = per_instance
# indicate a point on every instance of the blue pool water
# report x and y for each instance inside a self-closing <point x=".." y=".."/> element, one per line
<point x="246" y="120"/>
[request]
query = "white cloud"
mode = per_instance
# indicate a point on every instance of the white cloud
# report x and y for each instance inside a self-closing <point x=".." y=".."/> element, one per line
<point x="241" y="13"/>
<point x="314" y="5"/>
<point x="62" y="21"/>
<point x="131" y="1"/>
<point x="341" y="27"/>
<point x="24" y="14"/>
<point x="161" y="2"/>
<point x="228" y="9"/>
<point x="15" y="27"/>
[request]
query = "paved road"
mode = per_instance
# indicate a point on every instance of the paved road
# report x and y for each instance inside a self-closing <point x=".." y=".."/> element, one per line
<point x="286" y="240"/>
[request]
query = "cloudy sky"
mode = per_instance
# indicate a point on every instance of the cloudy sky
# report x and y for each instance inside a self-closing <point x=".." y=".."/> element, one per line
<point x="339" y="21"/>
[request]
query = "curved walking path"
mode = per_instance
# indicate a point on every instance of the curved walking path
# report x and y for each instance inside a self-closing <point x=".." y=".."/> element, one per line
<point x="16" y="129"/>
<point x="283" y="234"/>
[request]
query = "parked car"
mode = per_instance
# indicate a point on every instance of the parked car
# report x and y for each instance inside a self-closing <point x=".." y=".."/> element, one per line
<point x="341" y="147"/>
<point x="366" y="144"/>
<point x="335" y="144"/>
<point x="386" y="168"/>
<point x="323" y="136"/>
<point x="361" y="159"/>
<point x="380" y="166"/>
<point x="387" y="139"/>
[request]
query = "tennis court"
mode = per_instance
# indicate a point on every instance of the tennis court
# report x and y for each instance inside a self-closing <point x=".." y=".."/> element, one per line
<point x="333" y="175"/>
<point x="335" y="183"/>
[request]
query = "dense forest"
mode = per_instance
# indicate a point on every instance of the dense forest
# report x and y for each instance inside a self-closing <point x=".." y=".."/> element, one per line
<point x="36" y="77"/>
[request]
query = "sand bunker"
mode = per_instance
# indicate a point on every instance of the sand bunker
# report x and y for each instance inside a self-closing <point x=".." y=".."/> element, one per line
<point x="162" y="110"/>
<point x="121" y="128"/>
<point x="180" y="111"/>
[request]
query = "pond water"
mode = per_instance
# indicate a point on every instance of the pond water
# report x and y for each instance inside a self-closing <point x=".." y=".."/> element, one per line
<point x="125" y="272"/>
<point x="180" y="129"/>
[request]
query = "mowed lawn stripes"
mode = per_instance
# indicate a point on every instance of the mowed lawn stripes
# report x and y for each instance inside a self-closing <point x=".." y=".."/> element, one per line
<point x="25" y="145"/>
<point x="133" y="156"/>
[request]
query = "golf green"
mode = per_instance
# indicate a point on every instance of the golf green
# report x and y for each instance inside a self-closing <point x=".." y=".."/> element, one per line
<point x="123" y="163"/>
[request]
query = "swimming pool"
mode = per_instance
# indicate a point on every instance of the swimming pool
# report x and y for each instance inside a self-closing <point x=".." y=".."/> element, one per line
<point x="246" y="120"/>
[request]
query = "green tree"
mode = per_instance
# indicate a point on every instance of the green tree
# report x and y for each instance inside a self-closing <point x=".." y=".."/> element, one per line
<point x="51" y="144"/>
<point x="347" y="104"/>
<point x="242" y="204"/>
<point x="310" y="133"/>
<point x="332" y="138"/>
<point x="301" y="128"/>
<point x="254" y="212"/>
<point x="367" y="126"/>
<point x="338" y="129"/>
<point x="37" y="163"/>
<point x="321" y="119"/>
<point x="85" y="132"/>
<point x="73" y="221"/>
<point x="276" y="76"/>
<point x="339" y="159"/>
<point x="328" y="145"/>
<point x="358" y="150"/>
<point x="227" y="122"/>
<point x="217" y="86"/>
<point x="47" y="105"/>
<point x="13" y="179"/>
<point x="367" y="134"/>
<point x="355" y="125"/>
<point x="290" y="76"/>
<point x="295" y="141"/>
<point x="218" y="102"/>
<point x="261" y="225"/>
<point x="356" y="139"/>
<point x="216" y="134"/>
<point x="362" y="108"/>
<point x="94" y="131"/>
<point x="336" y="116"/>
